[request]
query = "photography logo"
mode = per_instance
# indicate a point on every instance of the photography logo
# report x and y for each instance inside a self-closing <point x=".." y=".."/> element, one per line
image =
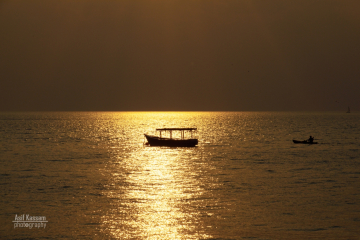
<point x="27" y="221"/>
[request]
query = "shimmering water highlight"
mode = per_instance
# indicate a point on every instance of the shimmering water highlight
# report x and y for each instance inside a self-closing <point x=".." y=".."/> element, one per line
<point x="90" y="174"/>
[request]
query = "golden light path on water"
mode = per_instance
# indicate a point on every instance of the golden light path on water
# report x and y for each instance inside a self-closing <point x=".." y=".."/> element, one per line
<point x="246" y="178"/>
<point x="92" y="177"/>
<point x="160" y="190"/>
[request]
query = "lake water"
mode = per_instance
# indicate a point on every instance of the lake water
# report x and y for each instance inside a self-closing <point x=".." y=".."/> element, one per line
<point x="90" y="175"/>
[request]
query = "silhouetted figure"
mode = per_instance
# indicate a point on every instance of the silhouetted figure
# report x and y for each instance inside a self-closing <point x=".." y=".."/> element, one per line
<point x="311" y="139"/>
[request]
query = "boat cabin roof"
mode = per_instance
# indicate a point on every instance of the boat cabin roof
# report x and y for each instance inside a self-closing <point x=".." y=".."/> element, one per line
<point x="176" y="129"/>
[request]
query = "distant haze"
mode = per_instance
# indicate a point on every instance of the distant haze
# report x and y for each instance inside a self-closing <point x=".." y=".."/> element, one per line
<point x="179" y="55"/>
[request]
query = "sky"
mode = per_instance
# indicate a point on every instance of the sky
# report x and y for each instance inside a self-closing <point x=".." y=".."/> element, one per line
<point x="179" y="55"/>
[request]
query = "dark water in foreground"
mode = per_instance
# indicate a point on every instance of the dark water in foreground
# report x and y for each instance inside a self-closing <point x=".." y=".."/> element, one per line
<point x="91" y="176"/>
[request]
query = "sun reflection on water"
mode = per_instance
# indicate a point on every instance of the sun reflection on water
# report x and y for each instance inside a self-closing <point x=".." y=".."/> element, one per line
<point x="158" y="192"/>
<point x="158" y="188"/>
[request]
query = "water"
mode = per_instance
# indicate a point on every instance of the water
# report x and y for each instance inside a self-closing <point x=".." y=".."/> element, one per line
<point x="91" y="176"/>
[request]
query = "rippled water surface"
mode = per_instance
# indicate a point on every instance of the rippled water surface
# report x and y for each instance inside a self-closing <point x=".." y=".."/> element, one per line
<point x="91" y="176"/>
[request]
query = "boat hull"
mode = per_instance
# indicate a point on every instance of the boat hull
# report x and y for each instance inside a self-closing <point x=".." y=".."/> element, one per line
<point x="304" y="142"/>
<point x="157" y="141"/>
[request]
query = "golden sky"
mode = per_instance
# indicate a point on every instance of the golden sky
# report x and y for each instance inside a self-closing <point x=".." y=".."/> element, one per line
<point x="179" y="55"/>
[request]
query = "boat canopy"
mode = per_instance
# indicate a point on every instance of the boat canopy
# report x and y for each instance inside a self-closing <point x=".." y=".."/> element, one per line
<point x="176" y="129"/>
<point x="182" y="130"/>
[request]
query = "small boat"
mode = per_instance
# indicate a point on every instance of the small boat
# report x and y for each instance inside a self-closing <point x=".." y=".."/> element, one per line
<point x="304" y="142"/>
<point x="172" y="142"/>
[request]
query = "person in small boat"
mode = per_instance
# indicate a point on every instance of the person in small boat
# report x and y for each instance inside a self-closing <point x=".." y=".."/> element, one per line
<point x="311" y="139"/>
